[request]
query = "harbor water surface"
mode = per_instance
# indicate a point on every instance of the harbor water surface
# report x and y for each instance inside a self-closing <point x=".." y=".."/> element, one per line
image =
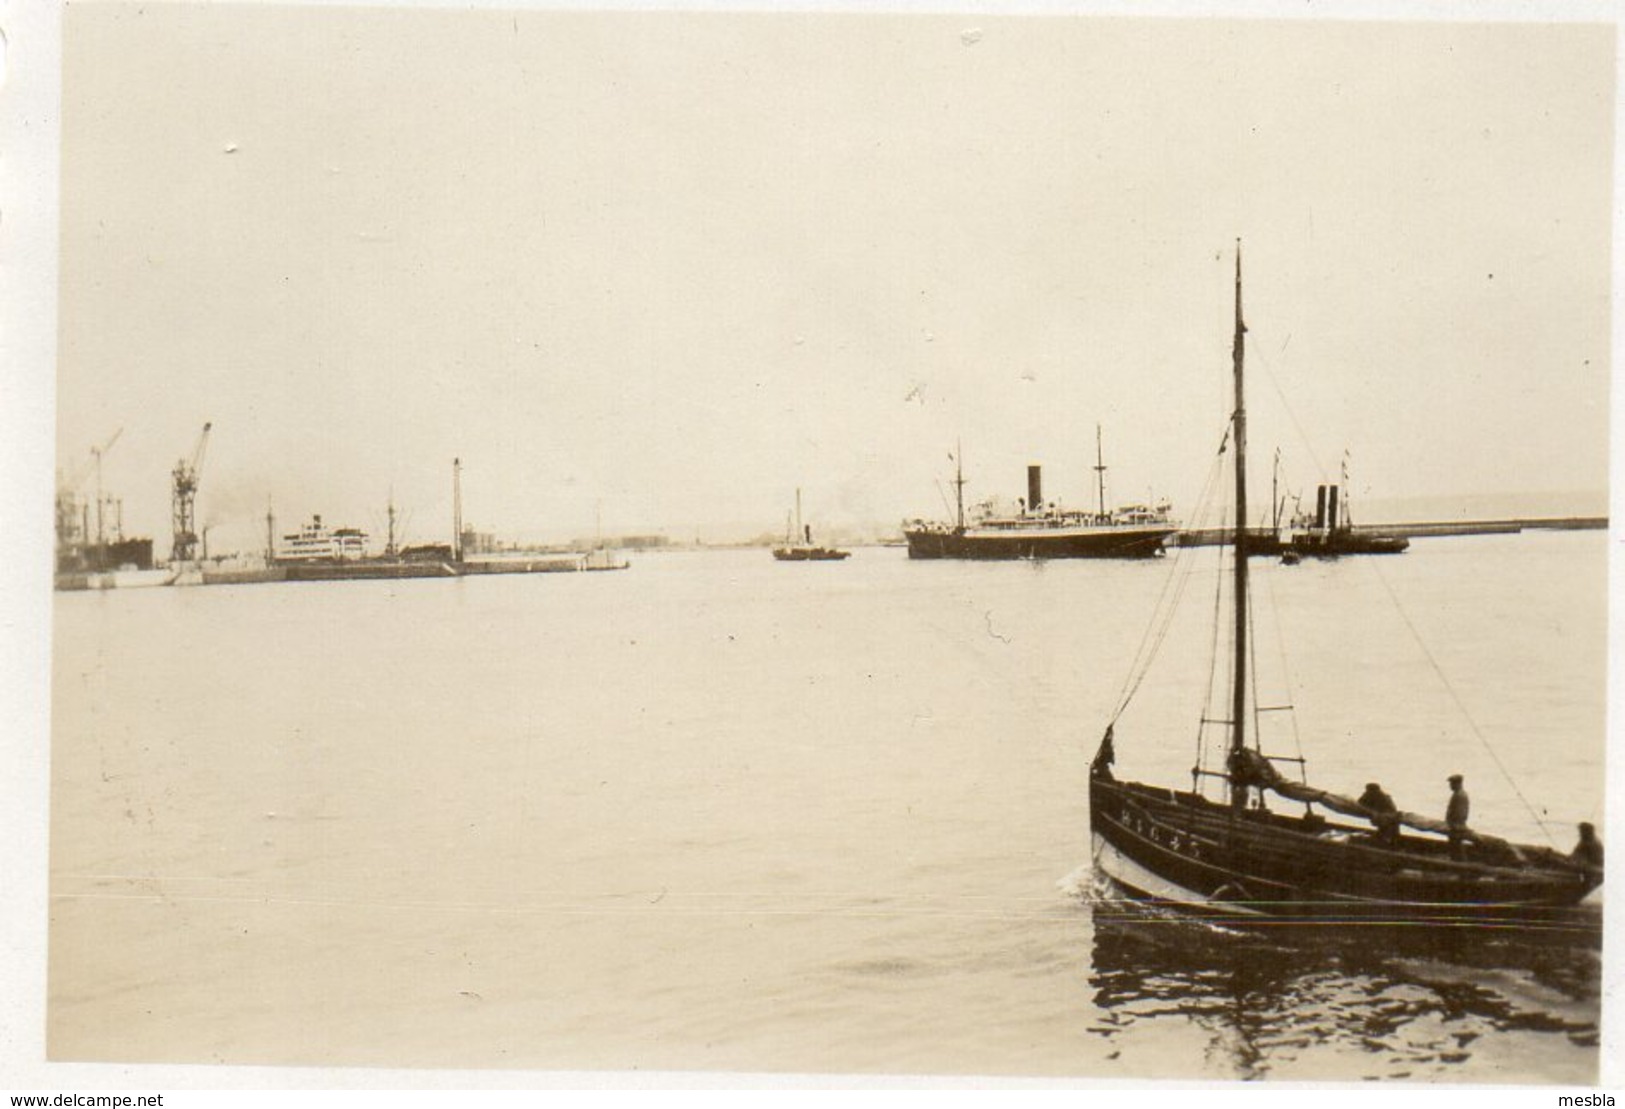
<point x="721" y="813"/>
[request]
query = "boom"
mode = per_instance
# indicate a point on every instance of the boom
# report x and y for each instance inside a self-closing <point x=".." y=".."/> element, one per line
<point x="186" y="476"/>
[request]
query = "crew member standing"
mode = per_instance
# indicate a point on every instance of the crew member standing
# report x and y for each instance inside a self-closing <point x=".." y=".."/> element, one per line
<point x="1455" y="817"/>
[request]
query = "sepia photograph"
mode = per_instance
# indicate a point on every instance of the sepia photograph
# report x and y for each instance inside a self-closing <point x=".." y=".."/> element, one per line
<point x="1066" y="544"/>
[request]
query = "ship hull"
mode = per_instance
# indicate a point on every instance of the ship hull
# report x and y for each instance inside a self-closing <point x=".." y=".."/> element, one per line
<point x="364" y="570"/>
<point x="114" y="579"/>
<point x="557" y="564"/>
<point x="971" y="543"/>
<point x="1266" y="542"/>
<point x="1184" y="852"/>
<point x="1347" y="543"/>
<point x="809" y="554"/>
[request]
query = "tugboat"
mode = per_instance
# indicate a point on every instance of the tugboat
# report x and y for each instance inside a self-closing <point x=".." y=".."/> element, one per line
<point x="798" y="544"/>
<point x="1331" y="532"/>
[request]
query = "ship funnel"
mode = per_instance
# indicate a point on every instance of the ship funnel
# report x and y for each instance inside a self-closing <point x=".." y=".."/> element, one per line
<point x="1320" y="507"/>
<point x="1331" y="508"/>
<point x="1035" y="488"/>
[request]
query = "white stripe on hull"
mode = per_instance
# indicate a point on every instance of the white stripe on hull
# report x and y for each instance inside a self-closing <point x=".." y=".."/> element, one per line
<point x="1126" y="872"/>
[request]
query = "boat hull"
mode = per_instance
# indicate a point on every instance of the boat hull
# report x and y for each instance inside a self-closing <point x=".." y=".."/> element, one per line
<point x="1002" y="545"/>
<point x="365" y="570"/>
<point x="1184" y="852"/>
<point x="1268" y="543"/>
<point x="809" y="554"/>
<point x="1346" y="543"/>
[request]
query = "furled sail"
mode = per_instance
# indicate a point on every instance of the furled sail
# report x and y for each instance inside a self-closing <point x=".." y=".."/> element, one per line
<point x="1255" y="770"/>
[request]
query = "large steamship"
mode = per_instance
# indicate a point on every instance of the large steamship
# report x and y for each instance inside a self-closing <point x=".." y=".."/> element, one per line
<point x="1041" y="529"/>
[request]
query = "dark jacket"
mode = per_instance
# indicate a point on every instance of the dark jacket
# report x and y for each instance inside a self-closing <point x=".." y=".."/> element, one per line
<point x="1455" y="814"/>
<point x="1377" y="800"/>
<point x="1588" y="853"/>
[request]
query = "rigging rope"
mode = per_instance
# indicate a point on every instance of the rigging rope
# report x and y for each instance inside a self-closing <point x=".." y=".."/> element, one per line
<point x="1461" y="705"/>
<point x="1252" y="653"/>
<point x="1163" y="612"/>
<point x="1257" y="349"/>
<point x="1212" y="659"/>
<point x="1286" y="678"/>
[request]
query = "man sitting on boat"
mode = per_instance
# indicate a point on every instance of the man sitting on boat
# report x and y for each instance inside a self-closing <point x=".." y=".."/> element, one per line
<point x="1384" y="813"/>
<point x="1588" y="852"/>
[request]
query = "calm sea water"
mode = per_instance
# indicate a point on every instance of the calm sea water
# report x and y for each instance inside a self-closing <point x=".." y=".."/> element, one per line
<point x="719" y="813"/>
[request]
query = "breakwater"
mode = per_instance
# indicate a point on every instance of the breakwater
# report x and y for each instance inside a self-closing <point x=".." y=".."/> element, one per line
<point x="1207" y="537"/>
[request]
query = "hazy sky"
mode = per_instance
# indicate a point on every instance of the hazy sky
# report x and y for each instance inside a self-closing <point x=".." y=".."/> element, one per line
<point x="678" y="265"/>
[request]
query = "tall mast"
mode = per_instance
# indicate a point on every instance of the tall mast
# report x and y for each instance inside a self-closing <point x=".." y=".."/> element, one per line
<point x="457" y="510"/>
<point x="1100" y="471"/>
<point x="1238" y="702"/>
<point x="270" y="533"/>
<point x="389" y="547"/>
<point x="1348" y="517"/>
<point x="1275" y="493"/>
<point x="959" y="484"/>
<point x="799" y="532"/>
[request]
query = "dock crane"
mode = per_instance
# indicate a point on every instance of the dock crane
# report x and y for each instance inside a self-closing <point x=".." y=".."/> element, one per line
<point x="186" y="477"/>
<point x="73" y="533"/>
<point x="97" y="452"/>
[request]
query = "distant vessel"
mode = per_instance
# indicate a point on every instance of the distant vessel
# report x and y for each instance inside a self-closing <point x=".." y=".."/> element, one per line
<point x="1238" y="857"/>
<point x="798" y="544"/>
<point x="1043" y="530"/>
<point x="318" y="553"/>
<point x="1331" y="533"/>
<point x="603" y="558"/>
<point x="316" y="542"/>
<point x="99" y="557"/>
<point x="124" y="578"/>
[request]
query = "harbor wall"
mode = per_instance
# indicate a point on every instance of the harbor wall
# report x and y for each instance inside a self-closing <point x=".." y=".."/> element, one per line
<point x="1207" y="537"/>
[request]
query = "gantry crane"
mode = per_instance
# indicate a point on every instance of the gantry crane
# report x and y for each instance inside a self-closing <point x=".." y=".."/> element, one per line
<point x="186" y="477"/>
<point x="101" y="500"/>
<point x="73" y="534"/>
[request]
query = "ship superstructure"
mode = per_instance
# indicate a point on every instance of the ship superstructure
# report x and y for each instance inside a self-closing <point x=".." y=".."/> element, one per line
<point x="316" y="542"/>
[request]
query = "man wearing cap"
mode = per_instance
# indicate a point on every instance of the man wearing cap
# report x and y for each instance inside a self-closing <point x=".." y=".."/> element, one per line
<point x="1455" y="817"/>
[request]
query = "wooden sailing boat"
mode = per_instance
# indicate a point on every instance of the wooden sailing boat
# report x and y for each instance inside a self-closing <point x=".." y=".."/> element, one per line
<point x="798" y="544"/>
<point x="1240" y="859"/>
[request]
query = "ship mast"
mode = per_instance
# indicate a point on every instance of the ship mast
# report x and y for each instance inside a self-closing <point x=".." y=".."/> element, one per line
<point x="1275" y="494"/>
<point x="1238" y="703"/>
<point x="1348" y="517"/>
<point x="457" y="510"/>
<point x="1100" y="473"/>
<point x="959" y="485"/>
